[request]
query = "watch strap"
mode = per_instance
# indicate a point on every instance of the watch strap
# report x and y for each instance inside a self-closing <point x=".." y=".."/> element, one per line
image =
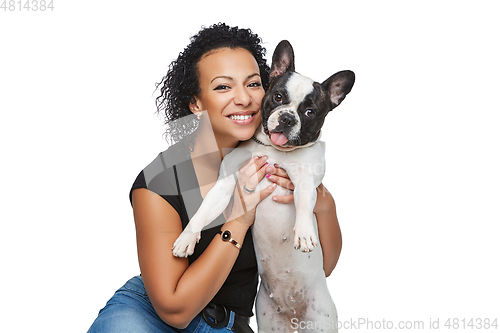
<point x="226" y="237"/>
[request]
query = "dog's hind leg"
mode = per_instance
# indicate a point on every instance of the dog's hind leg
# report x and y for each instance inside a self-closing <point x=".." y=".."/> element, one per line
<point x="270" y="317"/>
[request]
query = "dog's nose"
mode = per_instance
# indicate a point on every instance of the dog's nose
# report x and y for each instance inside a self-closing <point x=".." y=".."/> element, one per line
<point x="287" y="120"/>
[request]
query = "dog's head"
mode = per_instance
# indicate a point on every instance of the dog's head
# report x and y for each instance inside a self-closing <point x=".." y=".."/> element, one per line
<point x="294" y="107"/>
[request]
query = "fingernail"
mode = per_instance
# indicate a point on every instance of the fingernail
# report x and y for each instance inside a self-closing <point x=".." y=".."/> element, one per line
<point x="267" y="164"/>
<point x="268" y="176"/>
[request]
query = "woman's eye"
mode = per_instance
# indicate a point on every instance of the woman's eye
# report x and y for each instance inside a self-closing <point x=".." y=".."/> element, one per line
<point x="278" y="98"/>
<point x="309" y="113"/>
<point x="221" y="87"/>
<point x="255" y="85"/>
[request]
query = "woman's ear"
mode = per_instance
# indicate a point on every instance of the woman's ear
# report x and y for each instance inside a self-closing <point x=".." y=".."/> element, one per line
<point x="194" y="105"/>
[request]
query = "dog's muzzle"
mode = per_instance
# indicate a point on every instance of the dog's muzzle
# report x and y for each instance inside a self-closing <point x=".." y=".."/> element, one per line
<point x="286" y="122"/>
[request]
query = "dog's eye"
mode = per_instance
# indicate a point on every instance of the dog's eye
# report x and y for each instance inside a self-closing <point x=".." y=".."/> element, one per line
<point x="309" y="113"/>
<point x="278" y="98"/>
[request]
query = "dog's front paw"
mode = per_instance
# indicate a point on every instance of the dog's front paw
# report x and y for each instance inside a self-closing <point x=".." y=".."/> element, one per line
<point x="305" y="238"/>
<point x="185" y="243"/>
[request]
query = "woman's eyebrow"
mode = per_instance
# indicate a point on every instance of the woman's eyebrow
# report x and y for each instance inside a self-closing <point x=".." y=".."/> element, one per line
<point x="231" y="78"/>
<point x="252" y="75"/>
<point x="222" y="77"/>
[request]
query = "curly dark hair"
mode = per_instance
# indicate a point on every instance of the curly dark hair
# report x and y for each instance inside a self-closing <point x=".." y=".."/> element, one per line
<point x="181" y="83"/>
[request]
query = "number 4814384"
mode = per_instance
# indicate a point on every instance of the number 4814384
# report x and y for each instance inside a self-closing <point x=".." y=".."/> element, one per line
<point x="27" y="5"/>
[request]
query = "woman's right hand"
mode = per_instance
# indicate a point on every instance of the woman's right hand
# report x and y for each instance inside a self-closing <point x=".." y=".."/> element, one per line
<point x="245" y="196"/>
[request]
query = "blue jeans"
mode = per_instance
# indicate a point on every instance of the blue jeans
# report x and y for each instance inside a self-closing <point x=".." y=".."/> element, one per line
<point x="130" y="310"/>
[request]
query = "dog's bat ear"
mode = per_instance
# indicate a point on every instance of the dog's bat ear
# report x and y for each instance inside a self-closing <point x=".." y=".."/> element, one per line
<point x="338" y="86"/>
<point x="283" y="59"/>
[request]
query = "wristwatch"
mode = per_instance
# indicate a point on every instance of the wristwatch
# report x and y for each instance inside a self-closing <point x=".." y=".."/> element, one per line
<point x="226" y="237"/>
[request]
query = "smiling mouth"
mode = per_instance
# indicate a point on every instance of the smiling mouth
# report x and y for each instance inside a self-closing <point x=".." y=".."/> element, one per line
<point x="240" y="117"/>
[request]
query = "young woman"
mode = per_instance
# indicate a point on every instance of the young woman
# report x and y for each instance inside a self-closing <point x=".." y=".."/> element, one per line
<point x="211" y="97"/>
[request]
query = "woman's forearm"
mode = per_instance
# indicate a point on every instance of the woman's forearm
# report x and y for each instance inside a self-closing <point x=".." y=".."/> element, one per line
<point x="330" y="235"/>
<point x="204" y="277"/>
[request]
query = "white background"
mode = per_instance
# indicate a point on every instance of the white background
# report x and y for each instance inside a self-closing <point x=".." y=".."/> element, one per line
<point x="412" y="152"/>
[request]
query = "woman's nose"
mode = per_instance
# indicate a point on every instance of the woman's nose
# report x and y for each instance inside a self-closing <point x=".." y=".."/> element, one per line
<point x="242" y="97"/>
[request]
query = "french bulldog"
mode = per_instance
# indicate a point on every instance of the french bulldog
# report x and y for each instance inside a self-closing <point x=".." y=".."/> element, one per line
<point x="293" y="295"/>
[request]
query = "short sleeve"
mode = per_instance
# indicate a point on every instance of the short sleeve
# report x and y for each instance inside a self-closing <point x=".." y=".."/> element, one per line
<point x="161" y="180"/>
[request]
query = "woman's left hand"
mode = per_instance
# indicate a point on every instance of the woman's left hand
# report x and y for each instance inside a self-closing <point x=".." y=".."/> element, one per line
<point x="279" y="176"/>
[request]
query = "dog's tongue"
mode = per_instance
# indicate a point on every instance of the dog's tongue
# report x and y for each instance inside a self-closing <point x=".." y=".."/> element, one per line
<point x="278" y="138"/>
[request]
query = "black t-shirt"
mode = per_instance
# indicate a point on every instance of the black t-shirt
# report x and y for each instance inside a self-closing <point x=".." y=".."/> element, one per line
<point x="171" y="175"/>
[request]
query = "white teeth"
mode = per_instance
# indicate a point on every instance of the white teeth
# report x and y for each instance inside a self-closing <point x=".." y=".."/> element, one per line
<point x="237" y="117"/>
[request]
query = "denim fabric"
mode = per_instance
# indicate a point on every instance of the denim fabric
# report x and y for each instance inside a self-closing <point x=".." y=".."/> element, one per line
<point x="129" y="310"/>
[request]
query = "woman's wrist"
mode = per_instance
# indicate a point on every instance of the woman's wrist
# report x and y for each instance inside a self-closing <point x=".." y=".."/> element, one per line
<point x="238" y="230"/>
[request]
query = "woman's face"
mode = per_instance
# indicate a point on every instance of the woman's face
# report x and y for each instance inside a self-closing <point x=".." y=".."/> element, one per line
<point x="231" y="93"/>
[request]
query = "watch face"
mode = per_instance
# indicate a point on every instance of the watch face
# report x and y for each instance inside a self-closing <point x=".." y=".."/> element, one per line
<point x="226" y="235"/>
